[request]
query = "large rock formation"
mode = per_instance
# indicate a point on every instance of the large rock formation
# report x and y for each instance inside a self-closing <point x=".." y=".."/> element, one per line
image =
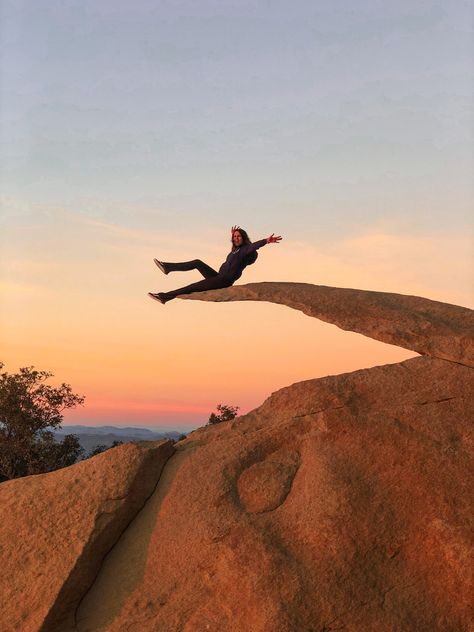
<point x="56" y="529"/>
<point x="343" y="502"/>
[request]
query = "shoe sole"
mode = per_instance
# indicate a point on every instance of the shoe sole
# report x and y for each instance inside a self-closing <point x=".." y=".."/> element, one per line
<point x="156" y="298"/>
<point x="160" y="265"/>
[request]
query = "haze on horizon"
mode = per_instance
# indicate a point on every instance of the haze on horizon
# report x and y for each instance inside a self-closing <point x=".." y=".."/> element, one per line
<point x="139" y="130"/>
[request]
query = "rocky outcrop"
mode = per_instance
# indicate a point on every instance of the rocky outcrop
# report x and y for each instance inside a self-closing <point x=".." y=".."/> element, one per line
<point x="57" y="528"/>
<point x="428" y="327"/>
<point x="342" y="502"/>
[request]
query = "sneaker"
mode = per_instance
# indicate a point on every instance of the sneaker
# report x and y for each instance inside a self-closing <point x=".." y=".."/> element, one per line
<point x="161" y="265"/>
<point x="158" y="297"/>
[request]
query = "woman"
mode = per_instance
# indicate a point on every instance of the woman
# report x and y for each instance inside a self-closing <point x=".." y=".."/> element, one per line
<point x="243" y="253"/>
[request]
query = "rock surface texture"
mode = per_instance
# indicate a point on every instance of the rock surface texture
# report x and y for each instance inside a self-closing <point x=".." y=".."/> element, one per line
<point x="340" y="503"/>
<point x="57" y="528"/>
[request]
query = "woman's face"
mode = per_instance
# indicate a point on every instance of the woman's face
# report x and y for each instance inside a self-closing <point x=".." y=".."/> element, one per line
<point x="237" y="238"/>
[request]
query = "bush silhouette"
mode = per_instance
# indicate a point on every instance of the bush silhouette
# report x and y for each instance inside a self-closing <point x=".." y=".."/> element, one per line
<point x="98" y="449"/>
<point x="226" y="413"/>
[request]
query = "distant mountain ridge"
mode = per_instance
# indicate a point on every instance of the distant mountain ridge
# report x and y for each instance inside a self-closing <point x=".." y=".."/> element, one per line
<point x="90" y="436"/>
<point x="120" y="430"/>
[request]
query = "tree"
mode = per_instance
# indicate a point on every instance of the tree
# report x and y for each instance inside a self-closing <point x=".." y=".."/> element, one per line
<point x="29" y="411"/>
<point x="102" y="448"/>
<point x="226" y="413"/>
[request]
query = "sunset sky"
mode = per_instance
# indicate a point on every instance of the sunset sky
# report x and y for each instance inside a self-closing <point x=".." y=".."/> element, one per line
<point x="133" y="130"/>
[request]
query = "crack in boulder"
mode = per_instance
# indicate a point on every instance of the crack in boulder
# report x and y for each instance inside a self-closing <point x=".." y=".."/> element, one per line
<point x="107" y="530"/>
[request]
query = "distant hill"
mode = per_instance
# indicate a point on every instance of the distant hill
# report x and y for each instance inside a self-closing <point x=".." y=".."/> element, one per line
<point x="90" y="436"/>
<point x="120" y="430"/>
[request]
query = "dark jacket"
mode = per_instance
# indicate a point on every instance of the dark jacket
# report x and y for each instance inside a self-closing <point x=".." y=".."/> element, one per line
<point x="238" y="259"/>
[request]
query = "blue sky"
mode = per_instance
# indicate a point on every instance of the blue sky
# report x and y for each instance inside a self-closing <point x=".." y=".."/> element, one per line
<point x="311" y="119"/>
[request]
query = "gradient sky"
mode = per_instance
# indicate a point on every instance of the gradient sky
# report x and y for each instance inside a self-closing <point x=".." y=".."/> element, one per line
<point x="133" y="130"/>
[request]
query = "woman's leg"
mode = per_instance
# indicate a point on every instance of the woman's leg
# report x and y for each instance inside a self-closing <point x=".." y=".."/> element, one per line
<point x="196" y="264"/>
<point x="211" y="283"/>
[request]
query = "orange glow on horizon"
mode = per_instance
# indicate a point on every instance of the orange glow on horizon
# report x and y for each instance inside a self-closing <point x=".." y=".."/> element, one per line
<point x="137" y="361"/>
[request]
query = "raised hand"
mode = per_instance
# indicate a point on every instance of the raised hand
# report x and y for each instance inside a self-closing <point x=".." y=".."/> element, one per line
<point x="272" y="239"/>
<point x="234" y="228"/>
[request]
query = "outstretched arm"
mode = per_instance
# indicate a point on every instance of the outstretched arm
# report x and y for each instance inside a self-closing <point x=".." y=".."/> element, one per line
<point x="258" y="244"/>
<point x="273" y="240"/>
<point x="270" y="240"/>
<point x="253" y="246"/>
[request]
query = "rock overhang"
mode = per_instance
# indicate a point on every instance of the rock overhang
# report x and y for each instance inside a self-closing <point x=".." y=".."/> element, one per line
<point x="432" y="328"/>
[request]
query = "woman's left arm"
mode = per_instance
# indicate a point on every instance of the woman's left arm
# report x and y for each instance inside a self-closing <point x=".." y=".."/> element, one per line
<point x="272" y="239"/>
<point x="248" y="248"/>
<point x="245" y="250"/>
<point x="258" y="244"/>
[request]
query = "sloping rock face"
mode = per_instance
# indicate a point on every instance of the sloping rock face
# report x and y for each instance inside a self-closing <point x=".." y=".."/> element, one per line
<point x="341" y="503"/>
<point x="428" y="327"/>
<point x="56" y="529"/>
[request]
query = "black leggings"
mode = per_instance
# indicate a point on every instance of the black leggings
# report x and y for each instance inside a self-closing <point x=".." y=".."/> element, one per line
<point x="212" y="279"/>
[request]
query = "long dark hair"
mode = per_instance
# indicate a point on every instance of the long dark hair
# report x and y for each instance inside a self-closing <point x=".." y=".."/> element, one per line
<point x="245" y="237"/>
<point x="252" y="256"/>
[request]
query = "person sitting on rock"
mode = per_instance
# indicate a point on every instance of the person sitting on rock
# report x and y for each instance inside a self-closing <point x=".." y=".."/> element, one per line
<point x="243" y="253"/>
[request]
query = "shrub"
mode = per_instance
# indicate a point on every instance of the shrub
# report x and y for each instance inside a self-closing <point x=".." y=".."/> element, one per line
<point x="226" y="413"/>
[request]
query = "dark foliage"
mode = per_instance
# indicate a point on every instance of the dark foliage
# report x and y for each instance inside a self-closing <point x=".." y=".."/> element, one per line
<point x="29" y="411"/>
<point x="226" y="413"/>
<point x="102" y="448"/>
